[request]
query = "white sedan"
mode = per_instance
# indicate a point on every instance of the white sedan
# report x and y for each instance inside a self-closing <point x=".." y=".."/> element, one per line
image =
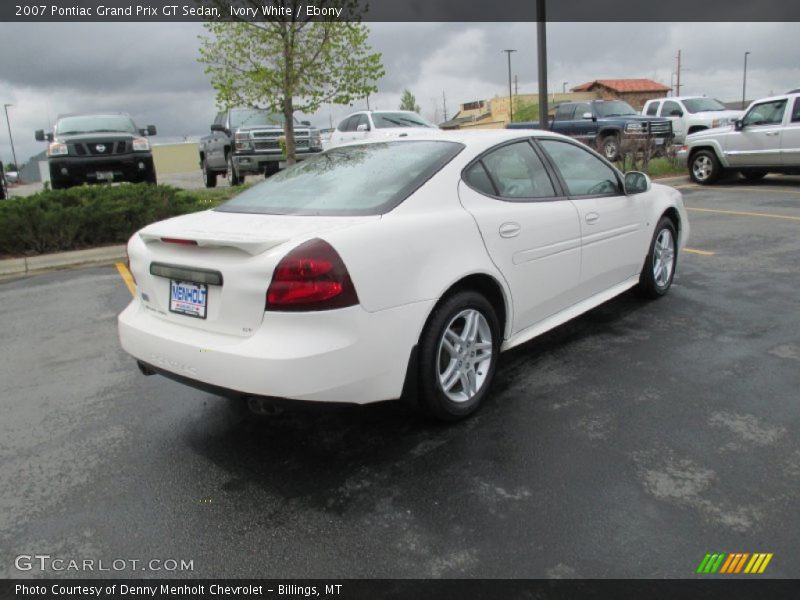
<point x="379" y="124"/>
<point x="394" y="269"/>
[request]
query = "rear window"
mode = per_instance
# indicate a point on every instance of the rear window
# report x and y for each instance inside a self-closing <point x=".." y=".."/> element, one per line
<point x="368" y="179"/>
<point x="399" y="119"/>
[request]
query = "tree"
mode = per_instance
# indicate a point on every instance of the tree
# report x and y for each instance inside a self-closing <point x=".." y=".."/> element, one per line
<point x="409" y="102"/>
<point x="290" y="64"/>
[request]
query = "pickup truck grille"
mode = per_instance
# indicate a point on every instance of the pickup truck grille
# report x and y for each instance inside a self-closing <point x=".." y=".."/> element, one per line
<point x="100" y="148"/>
<point x="266" y="145"/>
<point x="657" y="127"/>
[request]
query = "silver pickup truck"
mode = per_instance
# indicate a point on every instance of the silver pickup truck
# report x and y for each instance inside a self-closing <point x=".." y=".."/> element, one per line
<point x="765" y="140"/>
<point x="246" y="141"/>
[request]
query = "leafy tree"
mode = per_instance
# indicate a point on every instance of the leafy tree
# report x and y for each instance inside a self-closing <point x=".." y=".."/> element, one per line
<point x="288" y="64"/>
<point x="409" y="102"/>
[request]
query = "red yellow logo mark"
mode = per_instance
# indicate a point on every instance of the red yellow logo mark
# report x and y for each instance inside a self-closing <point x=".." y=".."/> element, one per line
<point x="735" y="563"/>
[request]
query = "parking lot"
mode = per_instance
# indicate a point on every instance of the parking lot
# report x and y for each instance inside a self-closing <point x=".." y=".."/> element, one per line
<point x="627" y="443"/>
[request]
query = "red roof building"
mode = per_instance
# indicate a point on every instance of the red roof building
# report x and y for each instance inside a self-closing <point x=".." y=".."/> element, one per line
<point x="634" y="91"/>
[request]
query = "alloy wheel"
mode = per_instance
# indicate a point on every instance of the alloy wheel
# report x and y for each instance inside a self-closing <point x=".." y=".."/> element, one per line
<point x="464" y="355"/>
<point x="663" y="258"/>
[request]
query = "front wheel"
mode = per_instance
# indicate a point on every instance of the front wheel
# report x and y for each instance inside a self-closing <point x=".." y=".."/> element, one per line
<point x="458" y="356"/>
<point x="209" y="176"/>
<point x="659" y="266"/>
<point x="233" y="175"/>
<point x="704" y="167"/>
<point x="610" y="147"/>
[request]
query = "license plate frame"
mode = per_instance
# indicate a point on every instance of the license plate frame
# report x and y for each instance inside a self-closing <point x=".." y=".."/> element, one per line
<point x="191" y="305"/>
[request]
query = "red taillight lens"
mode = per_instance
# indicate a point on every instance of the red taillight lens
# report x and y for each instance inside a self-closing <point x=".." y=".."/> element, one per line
<point x="311" y="277"/>
<point x="182" y="242"/>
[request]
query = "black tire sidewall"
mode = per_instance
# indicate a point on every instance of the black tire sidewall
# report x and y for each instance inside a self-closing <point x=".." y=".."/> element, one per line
<point x="432" y="399"/>
<point x="647" y="282"/>
<point x="614" y="139"/>
<point x="716" y="170"/>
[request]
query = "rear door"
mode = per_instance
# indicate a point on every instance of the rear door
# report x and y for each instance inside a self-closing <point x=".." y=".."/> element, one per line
<point x="790" y="142"/>
<point x="613" y="225"/>
<point x="530" y="229"/>
<point x="758" y="143"/>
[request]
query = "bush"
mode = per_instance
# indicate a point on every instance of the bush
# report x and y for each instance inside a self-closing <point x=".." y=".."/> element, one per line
<point x="87" y="216"/>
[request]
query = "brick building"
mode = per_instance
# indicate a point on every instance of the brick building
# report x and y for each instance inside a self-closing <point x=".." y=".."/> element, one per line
<point x="634" y="91"/>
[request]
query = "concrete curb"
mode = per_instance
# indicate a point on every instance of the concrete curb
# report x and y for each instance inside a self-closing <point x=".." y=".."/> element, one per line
<point x="14" y="267"/>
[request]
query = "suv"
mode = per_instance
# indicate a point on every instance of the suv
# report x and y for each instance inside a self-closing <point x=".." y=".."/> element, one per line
<point x="98" y="148"/>
<point x="766" y="139"/>
<point x="371" y="124"/>
<point x="605" y="123"/>
<point x="246" y="141"/>
<point x="690" y="114"/>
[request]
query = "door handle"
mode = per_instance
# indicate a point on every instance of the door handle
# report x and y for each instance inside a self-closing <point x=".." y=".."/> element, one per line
<point x="592" y="218"/>
<point x="509" y="230"/>
<point x="772" y="133"/>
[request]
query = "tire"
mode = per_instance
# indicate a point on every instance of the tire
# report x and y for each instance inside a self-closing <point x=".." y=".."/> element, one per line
<point x="609" y="147"/>
<point x="233" y="176"/>
<point x="209" y="176"/>
<point x="150" y="176"/>
<point x="754" y="175"/>
<point x="3" y="188"/>
<point x="704" y="168"/>
<point x="452" y="359"/>
<point x="271" y="168"/>
<point x="654" y="281"/>
<point x="58" y="184"/>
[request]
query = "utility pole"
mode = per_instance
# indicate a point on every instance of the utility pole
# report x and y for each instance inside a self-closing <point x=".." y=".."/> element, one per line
<point x="444" y="105"/>
<point x="541" y="40"/>
<point x="11" y="139"/>
<point x="678" y="79"/>
<point x="744" y="81"/>
<point x="516" y="89"/>
<point x="510" y="101"/>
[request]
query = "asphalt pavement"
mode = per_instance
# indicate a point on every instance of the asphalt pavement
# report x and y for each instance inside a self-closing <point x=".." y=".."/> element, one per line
<point x="627" y="443"/>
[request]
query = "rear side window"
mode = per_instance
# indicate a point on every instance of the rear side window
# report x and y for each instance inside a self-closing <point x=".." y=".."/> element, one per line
<point x="517" y="172"/>
<point x="582" y="171"/>
<point x="368" y="179"/>
<point x="477" y="177"/>
<point x="652" y="109"/>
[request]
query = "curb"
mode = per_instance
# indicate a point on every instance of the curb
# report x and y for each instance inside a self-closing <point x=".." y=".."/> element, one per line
<point x="14" y="267"/>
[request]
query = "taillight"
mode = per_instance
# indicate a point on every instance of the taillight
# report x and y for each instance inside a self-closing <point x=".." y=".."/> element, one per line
<point x="311" y="277"/>
<point x="182" y="242"/>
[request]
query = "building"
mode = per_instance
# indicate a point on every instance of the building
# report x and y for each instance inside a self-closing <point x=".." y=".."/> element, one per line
<point x="633" y="91"/>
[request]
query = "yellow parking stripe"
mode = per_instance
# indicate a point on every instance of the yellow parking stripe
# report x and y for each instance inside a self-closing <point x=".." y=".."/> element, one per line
<point x="742" y="213"/>
<point x="126" y="277"/>
<point x="700" y="252"/>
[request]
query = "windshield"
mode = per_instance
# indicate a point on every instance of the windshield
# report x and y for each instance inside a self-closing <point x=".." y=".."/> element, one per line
<point x="614" y="108"/>
<point x="95" y="124"/>
<point x="694" y="105"/>
<point x="398" y="119"/>
<point x="368" y="179"/>
<point x="253" y="117"/>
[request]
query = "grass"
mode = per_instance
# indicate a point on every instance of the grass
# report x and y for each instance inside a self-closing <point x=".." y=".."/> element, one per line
<point x="665" y="167"/>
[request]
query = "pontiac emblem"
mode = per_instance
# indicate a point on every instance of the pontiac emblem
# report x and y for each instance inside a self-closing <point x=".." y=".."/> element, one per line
<point x="100" y="148"/>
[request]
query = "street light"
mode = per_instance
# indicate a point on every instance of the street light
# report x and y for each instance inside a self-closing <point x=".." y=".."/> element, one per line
<point x="11" y="139"/>
<point x="744" y="79"/>
<point x="564" y="87"/>
<point x="510" y="103"/>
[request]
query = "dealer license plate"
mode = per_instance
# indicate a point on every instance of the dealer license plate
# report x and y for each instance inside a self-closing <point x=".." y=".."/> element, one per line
<point x="187" y="298"/>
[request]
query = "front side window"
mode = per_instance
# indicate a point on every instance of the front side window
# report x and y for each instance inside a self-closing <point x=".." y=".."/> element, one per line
<point x="582" y="109"/>
<point x="671" y="109"/>
<point x="517" y="172"/>
<point x="369" y="179"/>
<point x="652" y="109"/>
<point x="583" y="173"/>
<point x="565" y="112"/>
<point x="796" y="111"/>
<point x="767" y="113"/>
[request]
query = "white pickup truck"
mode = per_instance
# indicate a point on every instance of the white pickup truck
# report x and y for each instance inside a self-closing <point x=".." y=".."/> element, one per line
<point x="765" y="140"/>
<point x="690" y="114"/>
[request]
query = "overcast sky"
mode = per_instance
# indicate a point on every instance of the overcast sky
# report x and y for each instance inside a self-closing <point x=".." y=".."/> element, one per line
<point x="150" y="69"/>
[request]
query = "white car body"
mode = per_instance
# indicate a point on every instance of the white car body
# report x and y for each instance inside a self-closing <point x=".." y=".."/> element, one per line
<point x="688" y="122"/>
<point x="549" y="261"/>
<point x="756" y="148"/>
<point x="368" y="127"/>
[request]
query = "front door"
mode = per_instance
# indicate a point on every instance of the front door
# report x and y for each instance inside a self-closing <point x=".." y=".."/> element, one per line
<point x="758" y="143"/>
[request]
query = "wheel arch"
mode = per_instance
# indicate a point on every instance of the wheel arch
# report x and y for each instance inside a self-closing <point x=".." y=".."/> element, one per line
<point x="706" y="146"/>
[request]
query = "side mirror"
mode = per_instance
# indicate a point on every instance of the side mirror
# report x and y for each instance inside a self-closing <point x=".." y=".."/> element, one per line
<point x="738" y="124"/>
<point x="588" y="116"/>
<point x="636" y="182"/>
<point x="150" y="130"/>
<point x="306" y="123"/>
<point x="676" y="113"/>
<point x="362" y="127"/>
<point x="39" y="135"/>
<point x="217" y="127"/>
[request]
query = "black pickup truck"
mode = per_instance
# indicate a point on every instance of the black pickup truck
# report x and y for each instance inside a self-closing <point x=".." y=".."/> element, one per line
<point x="604" y="124"/>
<point x="98" y="148"/>
<point x="246" y="141"/>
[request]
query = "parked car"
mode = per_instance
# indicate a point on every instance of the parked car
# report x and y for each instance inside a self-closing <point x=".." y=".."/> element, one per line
<point x="12" y="177"/>
<point x="3" y="184"/>
<point x="604" y="124"/>
<point x="246" y="141"/>
<point x="378" y="124"/>
<point x="98" y="148"/>
<point x="690" y="114"/>
<point x="396" y="268"/>
<point x="765" y="140"/>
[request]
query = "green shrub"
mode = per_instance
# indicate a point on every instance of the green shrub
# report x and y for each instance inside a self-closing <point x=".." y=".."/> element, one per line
<point x="87" y="216"/>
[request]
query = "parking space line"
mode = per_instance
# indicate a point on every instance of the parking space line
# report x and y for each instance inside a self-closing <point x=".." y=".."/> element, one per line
<point x="742" y="213"/>
<point x="700" y="252"/>
<point x="716" y="188"/>
<point x="126" y="277"/>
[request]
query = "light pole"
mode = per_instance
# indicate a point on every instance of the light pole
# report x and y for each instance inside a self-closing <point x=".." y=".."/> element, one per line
<point x="11" y="139"/>
<point x="510" y="102"/>
<point x="744" y="79"/>
<point x="564" y="87"/>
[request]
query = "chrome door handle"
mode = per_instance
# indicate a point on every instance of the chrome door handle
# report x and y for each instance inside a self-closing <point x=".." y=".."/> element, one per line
<point x="510" y="229"/>
<point x="772" y="133"/>
<point x="592" y="218"/>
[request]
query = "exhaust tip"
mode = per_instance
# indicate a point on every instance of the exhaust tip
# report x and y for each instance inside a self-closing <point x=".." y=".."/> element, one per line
<point x="145" y="369"/>
<point x="263" y="407"/>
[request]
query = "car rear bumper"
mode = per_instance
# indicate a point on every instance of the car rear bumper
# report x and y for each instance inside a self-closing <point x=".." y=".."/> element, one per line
<point x="124" y="167"/>
<point x="347" y="355"/>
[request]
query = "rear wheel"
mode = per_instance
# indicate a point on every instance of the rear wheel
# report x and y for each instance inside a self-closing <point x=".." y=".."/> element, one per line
<point x="704" y="167"/>
<point x="458" y="356"/>
<point x="659" y="266"/>
<point x="754" y="175"/>
<point x="209" y="176"/>
<point x="233" y="175"/>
